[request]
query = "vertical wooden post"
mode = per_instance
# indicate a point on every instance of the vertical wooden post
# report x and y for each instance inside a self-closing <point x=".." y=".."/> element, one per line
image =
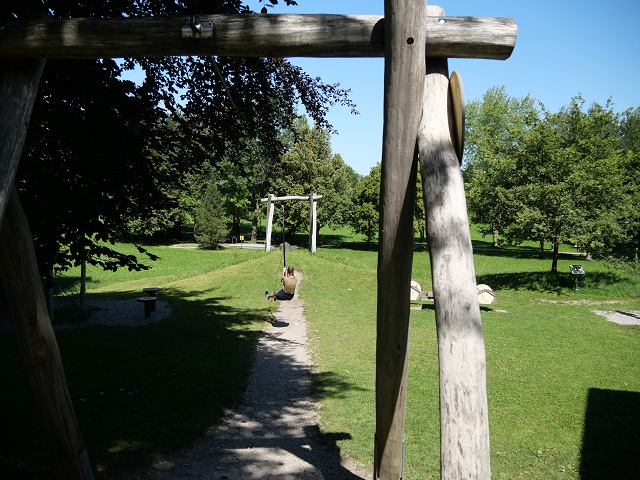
<point x="405" y="36"/>
<point x="312" y="223"/>
<point x="464" y="427"/>
<point x="269" y="222"/>
<point x="38" y="347"/>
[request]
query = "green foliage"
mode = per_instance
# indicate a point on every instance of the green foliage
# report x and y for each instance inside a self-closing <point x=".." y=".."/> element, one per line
<point x="210" y="223"/>
<point x="365" y="217"/>
<point x="105" y="156"/>
<point x="545" y="178"/>
<point x="309" y="167"/>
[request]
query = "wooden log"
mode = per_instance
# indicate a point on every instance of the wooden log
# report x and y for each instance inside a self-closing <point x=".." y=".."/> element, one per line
<point x="403" y="84"/>
<point x="18" y="88"/>
<point x="38" y="347"/>
<point x="464" y="428"/>
<point x="313" y="224"/>
<point x="291" y="197"/>
<point x="270" y="207"/>
<point x="249" y="36"/>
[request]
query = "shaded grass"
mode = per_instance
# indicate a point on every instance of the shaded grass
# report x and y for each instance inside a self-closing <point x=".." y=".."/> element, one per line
<point x="146" y="390"/>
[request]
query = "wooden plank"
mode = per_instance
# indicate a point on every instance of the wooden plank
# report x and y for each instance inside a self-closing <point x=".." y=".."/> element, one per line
<point x="249" y="36"/>
<point x="291" y="197"/>
<point x="403" y="84"/>
<point x="38" y="347"/>
<point x="18" y="88"/>
<point x="464" y="426"/>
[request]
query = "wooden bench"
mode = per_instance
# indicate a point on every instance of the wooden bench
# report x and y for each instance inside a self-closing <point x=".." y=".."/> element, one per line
<point x="149" y="304"/>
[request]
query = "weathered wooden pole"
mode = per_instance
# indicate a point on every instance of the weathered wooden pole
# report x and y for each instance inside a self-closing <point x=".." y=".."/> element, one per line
<point x="247" y="36"/>
<point x="270" y="207"/>
<point x="38" y="347"/>
<point x="313" y="224"/>
<point x="403" y="86"/>
<point x="464" y="426"/>
<point x="19" y="275"/>
<point x="18" y="88"/>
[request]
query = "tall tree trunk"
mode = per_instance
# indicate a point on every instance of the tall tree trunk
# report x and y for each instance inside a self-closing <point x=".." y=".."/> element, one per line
<point x="83" y="281"/>
<point x="38" y="347"/>
<point x="541" y="250"/>
<point x="554" y="263"/>
<point x="48" y="288"/>
<point x="254" y="221"/>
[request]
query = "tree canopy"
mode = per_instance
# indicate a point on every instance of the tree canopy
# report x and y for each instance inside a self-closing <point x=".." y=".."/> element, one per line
<point x="537" y="175"/>
<point x="103" y="153"/>
<point x="308" y="166"/>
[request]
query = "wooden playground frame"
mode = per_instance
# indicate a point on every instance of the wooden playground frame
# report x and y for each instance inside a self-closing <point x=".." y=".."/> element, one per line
<point x="419" y="125"/>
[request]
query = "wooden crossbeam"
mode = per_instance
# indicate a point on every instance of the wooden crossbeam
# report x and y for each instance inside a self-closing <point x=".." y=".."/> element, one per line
<point x="248" y="35"/>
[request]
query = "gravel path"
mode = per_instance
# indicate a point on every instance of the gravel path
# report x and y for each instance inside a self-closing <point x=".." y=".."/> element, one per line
<point x="273" y="434"/>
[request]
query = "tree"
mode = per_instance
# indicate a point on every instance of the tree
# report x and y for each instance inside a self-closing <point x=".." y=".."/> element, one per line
<point x="630" y="142"/>
<point x="308" y="167"/>
<point x="83" y="178"/>
<point x="365" y="218"/>
<point x="591" y="140"/>
<point x="210" y="222"/>
<point x="550" y="185"/>
<point x="88" y="182"/>
<point x="494" y="127"/>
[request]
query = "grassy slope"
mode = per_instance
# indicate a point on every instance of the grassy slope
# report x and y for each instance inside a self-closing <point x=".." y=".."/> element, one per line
<point x="143" y="390"/>
<point x="138" y="391"/>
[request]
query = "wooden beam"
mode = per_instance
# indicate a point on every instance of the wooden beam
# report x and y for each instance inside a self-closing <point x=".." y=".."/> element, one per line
<point x="19" y="82"/>
<point x="464" y="427"/>
<point x="403" y="84"/>
<point x="291" y="197"/>
<point x="263" y="35"/>
<point x="38" y="347"/>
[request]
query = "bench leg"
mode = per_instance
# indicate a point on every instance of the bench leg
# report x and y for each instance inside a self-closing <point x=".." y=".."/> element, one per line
<point x="148" y="308"/>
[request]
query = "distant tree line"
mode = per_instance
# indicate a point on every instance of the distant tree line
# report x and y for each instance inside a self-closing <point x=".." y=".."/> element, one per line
<point x="567" y="177"/>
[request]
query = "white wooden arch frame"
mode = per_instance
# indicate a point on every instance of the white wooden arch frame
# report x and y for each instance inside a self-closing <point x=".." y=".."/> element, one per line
<point x="313" y="222"/>
<point x="414" y="39"/>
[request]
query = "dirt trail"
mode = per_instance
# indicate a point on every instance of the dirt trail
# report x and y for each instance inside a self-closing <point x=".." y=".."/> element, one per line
<point x="273" y="434"/>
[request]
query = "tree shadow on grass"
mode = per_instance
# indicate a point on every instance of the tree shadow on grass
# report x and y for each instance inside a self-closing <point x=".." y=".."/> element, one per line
<point x="546" y="281"/>
<point x="143" y="391"/>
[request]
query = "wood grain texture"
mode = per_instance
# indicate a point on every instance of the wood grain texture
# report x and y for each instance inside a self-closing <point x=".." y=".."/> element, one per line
<point x="403" y="87"/>
<point x="19" y="82"/>
<point x="464" y="428"/>
<point x="38" y="347"/>
<point x="250" y="36"/>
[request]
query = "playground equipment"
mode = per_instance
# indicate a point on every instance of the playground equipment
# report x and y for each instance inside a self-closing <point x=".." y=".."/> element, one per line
<point x="414" y="39"/>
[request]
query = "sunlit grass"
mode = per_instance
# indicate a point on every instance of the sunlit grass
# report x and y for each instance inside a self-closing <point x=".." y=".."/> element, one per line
<point x="146" y="390"/>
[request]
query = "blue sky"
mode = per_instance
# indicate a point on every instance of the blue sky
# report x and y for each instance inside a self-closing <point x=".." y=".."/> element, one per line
<point x="564" y="48"/>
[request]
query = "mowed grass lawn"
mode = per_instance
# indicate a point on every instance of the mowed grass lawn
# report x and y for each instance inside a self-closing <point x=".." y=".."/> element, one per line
<point x="563" y="383"/>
